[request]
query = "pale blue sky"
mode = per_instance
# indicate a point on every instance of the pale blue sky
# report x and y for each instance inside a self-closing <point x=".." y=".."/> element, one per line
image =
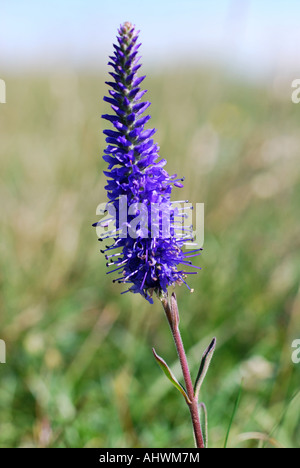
<point x="255" y="35"/>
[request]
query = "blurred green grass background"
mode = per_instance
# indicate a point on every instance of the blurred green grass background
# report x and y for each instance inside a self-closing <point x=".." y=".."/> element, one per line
<point x="80" y="371"/>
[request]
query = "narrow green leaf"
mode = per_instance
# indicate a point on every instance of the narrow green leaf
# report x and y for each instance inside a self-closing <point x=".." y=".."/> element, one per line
<point x="203" y="422"/>
<point x="235" y="408"/>
<point x="204" y="365"/>
<point x="164" y="366"/>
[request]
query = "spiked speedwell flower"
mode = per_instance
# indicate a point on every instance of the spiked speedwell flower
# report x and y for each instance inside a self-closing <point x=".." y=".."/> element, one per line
<point x="148" y="263"/>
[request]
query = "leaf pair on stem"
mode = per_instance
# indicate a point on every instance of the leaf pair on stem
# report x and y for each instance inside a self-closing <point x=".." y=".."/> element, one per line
<point x="190" y="393"/>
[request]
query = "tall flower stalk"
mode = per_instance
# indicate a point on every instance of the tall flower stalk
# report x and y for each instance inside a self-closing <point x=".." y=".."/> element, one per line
<point x="142" y="222"/>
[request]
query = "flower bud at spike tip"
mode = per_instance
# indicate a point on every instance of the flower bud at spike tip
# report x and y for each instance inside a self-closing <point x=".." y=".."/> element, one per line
<point x="147" y="263"/>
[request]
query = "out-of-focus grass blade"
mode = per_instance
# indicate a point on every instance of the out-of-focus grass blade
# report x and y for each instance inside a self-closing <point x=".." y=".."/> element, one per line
<point x="236" y="405"/>
<point x="292" y="406"/>
<point x="261" y="437"/>
<point x="164" y="366"/>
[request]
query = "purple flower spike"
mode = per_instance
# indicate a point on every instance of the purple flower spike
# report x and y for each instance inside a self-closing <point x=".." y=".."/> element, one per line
<point x="147" y="262"/>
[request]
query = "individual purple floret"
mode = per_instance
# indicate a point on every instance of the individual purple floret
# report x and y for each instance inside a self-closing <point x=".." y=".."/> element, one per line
<point x="148" y="263"/>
